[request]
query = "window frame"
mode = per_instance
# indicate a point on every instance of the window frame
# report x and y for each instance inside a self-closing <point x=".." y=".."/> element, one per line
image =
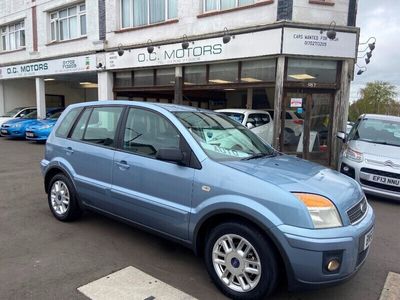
<point x="148" y="23"/>
<point x="219" y="6"/>
<point x="56" y="22"/>
<point x="6" y="32"/>
<point x="91" y="108"/>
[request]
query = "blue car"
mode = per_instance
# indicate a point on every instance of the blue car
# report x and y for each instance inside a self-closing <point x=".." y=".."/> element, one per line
<point x="210" y="183"/>
<point x="16" y="128"/>
<point x="40" y="130"/>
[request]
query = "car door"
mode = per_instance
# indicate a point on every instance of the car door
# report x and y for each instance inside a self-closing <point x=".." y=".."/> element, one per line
<point x="90" y="152"/>
<point x="145" y="190"/>
<point x="263" y="126"/>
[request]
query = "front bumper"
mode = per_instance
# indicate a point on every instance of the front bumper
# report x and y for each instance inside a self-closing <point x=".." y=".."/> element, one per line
<point x="37" y="135"/>
<point x="362" y="177"/>
<point x="306" y="251"/>
<point x="13" y="132"/>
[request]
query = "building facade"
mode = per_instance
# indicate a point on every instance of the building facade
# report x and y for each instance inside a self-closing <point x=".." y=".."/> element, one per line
<point x="273" y="55"/>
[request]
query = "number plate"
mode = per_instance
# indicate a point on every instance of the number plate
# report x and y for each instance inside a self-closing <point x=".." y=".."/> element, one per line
<point x="30" y="134"/>
<point x="368" y="238"/>
<point x="4" y="131"/>
<point x="385" y="180"/>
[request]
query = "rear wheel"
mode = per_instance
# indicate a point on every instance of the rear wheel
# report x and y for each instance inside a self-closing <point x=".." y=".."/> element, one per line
<point x="62" y="198"/>
<point x="240" y="261"/>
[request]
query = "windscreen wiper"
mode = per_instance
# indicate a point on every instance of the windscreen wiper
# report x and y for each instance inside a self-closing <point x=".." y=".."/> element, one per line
<point x="260" y="155"/>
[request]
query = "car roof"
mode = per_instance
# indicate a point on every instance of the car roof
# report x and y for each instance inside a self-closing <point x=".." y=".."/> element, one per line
<point x="241" y="110"/>
<point x="381" y="117"/>
<point x="167" y="106"/>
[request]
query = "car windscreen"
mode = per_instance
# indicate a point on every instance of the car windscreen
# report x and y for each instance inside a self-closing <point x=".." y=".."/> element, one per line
<point x="32" y="115"/>
<point x="238" y="117"/>
<point x="377" y="131"/>
<point x="222" y="138"/>
<point x="12" y="113"/>
<point x="54" y="116"/>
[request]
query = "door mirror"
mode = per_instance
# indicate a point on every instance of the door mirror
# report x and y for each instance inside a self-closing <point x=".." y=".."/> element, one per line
<point x="170" y="154"/>
<point x="341" y="135"/>
<point x="250" y="125"/>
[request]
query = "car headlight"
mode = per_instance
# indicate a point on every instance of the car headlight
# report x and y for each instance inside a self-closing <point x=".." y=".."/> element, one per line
<point x="322" y="211"/>
<point x="353" y="155"/>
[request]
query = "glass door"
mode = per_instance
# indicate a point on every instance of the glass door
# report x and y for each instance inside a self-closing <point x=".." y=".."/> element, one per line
<point x="306" y="125"/>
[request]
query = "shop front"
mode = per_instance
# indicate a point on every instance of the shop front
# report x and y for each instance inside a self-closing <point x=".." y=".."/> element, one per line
<point x="299" y="76"/>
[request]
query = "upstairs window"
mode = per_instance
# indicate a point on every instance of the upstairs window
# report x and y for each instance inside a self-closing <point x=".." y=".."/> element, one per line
<point x="136" y="13"/>
<point x="12" y="36"/>
<point x="213" y="5"/>
<point x="68" y="23"/>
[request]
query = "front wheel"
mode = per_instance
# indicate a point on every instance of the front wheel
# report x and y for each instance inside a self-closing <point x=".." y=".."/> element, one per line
<point x="241" y="261"/>
<point x="62" y="199"/>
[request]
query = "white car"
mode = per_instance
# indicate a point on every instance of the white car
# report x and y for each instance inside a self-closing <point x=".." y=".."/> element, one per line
<point x="258" y="121"/>
<point x="17" y="112"/>
<point x="292" y="121"/>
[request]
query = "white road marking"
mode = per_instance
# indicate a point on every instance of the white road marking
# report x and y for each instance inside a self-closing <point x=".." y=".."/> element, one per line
<point x="131" y="283"/>
<point x="391" y="289"/>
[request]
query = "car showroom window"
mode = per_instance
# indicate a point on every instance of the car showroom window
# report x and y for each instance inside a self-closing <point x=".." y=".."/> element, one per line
<point x="136" y="13"/>
<point x="146" y="132"/>
<point x="213" y="5"/>
<point x="102" y="125"/>
<point x="68" y="23"/>
<point x="12" y="36"/>
<point x="258" y="119"/>
<point x="66" y="124"/>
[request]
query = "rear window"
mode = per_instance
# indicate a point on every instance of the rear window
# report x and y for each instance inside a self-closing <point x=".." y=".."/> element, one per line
<point x="66" y="124"/>
<point x="238" y="117"/>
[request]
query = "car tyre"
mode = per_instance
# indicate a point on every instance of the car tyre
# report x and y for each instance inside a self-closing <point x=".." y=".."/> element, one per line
<point x="62" y="200"/>
<point x="234" y="253"/>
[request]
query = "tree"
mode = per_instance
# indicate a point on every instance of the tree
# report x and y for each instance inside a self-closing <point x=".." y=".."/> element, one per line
<point x="378" y="97"/>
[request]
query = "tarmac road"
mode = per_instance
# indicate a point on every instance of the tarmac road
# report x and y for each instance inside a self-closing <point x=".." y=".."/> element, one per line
<point x="42" y="258"/>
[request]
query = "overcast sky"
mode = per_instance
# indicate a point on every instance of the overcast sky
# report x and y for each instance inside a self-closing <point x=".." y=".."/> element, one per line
<point x="380" y="19"/>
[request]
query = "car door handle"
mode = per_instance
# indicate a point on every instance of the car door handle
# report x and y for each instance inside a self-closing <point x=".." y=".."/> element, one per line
<point x="123" y="165"/>
<point x="69" y="150"/>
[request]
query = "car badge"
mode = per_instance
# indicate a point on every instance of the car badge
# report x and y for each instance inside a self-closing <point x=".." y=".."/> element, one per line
<point x="389" y="163"/>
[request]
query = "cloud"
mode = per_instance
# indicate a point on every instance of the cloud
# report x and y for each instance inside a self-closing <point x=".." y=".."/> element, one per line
<point x="379" y="19"/>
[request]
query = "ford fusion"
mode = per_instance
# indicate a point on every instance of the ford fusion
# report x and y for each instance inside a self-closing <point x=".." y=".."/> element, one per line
<point x="208" y="182"/>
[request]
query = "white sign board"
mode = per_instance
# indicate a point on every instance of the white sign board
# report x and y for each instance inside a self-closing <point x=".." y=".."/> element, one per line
<point x="253" y="44"/>
<point x="300" y="41"/>
<point x="296" y="102"/>
<point x="50" y="67"/>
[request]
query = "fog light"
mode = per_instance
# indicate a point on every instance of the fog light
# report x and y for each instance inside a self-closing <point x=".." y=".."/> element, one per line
<point x="333" y="265"/>
<point x="346" y="168"/>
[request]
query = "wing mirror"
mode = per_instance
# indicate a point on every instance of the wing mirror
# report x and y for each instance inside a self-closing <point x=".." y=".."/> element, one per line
<point x="170" y="154"/>
<point x="341" y="135"/>
<point x="250" y="125"/>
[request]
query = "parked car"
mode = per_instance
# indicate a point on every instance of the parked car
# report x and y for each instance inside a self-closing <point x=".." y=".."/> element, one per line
<point x="371" y="154"/>
<point x="258" y="121"/>
<point x="210" y="183"/>
<point x="40" y="130"/>
<point x="15" y="128"/>
<point x="16" y="113"/>
<point x="293" y="122"/>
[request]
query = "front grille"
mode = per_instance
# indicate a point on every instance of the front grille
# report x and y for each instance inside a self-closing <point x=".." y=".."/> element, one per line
<point x="380" y="185"/>
<point x="382" y="173"/>
<point x="357" y="211"/>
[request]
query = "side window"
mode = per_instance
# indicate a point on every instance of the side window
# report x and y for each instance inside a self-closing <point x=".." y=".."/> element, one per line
<point x="77" y="133"/>
<point x="258" y="119"/>
<point x="146" y="132"/>
<point x="66" y="124"/>
<point x="353" y="130"/>
<point x="102" y="125"/>
<point x="288" y="116"/>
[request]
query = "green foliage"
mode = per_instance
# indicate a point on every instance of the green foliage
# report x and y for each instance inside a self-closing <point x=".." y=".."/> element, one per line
<point x="378" y="97"/>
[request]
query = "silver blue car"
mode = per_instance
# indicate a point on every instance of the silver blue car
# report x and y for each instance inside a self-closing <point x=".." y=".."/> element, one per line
<point x="206" y="181"/>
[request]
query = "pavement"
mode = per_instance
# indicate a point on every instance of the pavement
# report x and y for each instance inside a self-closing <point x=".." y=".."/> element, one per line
<point x="42" y="258"/>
